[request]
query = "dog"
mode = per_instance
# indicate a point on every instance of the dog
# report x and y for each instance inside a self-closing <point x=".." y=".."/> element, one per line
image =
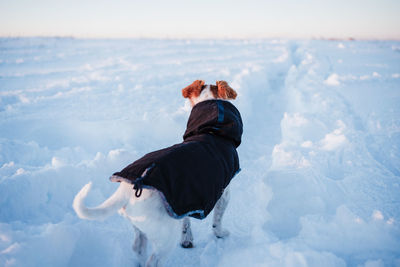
<point x="187" y="179"/>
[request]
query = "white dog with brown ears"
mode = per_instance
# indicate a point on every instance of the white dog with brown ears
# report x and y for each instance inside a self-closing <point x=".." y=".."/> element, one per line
<point x="151" y="210"/>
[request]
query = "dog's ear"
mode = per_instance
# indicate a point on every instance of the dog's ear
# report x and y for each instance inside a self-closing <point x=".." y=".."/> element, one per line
<point x="225" y="91"/>
<point x="193" y="90"/>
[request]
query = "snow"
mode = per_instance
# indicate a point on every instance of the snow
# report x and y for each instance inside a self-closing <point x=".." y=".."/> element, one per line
<point x="333" y="80"/>
<point x="320" y="179"/>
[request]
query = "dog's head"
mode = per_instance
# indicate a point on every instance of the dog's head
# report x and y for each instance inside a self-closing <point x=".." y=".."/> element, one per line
<point x="198" y="91"/>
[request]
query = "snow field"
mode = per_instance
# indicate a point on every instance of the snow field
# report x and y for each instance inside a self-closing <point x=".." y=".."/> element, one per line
<point x="320" y="156"/>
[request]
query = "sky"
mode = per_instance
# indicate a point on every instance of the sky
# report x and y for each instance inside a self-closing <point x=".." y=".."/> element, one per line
<point x="360" y="19"/>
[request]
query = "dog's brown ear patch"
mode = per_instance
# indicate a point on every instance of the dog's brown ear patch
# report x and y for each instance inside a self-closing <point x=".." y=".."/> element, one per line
<point x="225" y="91"/>
<point x="193" y="90"/>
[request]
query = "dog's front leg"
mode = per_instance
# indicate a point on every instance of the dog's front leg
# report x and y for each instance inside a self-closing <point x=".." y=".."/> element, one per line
<point x="187" y="236"/>
<point x="219" y="210"/>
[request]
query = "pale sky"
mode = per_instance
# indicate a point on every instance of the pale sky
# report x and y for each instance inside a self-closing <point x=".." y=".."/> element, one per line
<point x="360" y="19"/>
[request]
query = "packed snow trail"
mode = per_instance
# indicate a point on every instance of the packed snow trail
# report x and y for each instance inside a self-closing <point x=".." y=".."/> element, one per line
<point x="320" y="156"/>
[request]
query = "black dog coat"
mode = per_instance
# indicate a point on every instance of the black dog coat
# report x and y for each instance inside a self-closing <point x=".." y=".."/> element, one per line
<point x="192" y="175"/>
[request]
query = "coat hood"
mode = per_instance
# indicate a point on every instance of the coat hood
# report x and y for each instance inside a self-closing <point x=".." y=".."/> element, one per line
<point x="217" y="117"/>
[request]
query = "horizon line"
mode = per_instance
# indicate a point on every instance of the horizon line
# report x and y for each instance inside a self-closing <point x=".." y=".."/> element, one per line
<point x="331" y="38"/>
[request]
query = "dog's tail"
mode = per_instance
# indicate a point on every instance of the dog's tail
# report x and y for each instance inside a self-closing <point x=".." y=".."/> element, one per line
<point x="107" y="208"/>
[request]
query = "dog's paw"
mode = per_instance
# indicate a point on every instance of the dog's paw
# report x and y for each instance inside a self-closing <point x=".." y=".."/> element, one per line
<point x="220" y="233"/>
<point x="187" y="244"/>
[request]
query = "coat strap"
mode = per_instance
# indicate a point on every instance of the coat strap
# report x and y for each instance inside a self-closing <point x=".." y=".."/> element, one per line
<point x="138" y="183"/>
<point x="138" y="187"/>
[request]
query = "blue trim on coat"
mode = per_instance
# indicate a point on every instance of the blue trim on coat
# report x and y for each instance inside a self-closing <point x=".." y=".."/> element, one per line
<point x="220" y="112"/>
<point x="171" y="212"/>
<point x="237" y="172"/>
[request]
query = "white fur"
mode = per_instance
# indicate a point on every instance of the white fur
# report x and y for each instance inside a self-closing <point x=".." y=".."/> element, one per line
<point x="205" y="94"/>
<point x="149" y="217"/>
<point x="107" y="208"/>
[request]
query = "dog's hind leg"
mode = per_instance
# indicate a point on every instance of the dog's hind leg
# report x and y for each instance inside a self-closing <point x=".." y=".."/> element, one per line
<point x="161" y="250"/>
<point x="140" y="246"/>
<point x="219" y="210"/>
<point x="163" y="241"/>
<point x="187" y="236"/>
